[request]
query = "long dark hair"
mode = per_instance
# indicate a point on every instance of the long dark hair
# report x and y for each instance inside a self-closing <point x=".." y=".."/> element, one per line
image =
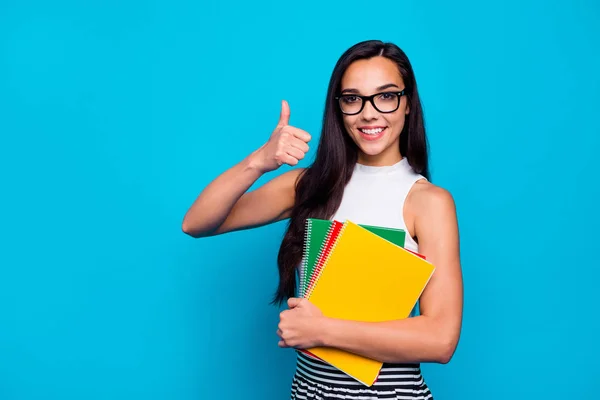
<point x="320" y="188"/>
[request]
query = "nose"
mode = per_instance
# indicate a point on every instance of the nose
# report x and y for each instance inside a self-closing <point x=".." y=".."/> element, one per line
<point x="369" y="112"/>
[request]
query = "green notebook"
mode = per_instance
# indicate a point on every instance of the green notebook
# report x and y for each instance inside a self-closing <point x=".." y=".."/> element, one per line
<point x="317" y="231"/>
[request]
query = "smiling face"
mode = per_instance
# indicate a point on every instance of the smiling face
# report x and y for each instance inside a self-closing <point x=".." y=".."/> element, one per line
<point x="377" y="134"/>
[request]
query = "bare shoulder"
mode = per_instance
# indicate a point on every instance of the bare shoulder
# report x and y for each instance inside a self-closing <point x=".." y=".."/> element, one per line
<point x="278" y="193"/>
<point x="295" y="174"/>
<point x="427" y="199"/>
<point x="283" y="188"/>
<point x="289" y="180"/>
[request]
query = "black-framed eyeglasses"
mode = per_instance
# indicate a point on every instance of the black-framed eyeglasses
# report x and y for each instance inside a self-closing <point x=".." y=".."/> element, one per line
<point x="384" y="102"/>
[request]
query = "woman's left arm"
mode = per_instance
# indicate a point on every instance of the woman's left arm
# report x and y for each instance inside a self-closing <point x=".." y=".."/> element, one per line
<point x="430" y="337"/>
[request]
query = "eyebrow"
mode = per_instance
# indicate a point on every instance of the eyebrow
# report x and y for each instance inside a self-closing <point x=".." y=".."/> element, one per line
<point x="386" y="86"/>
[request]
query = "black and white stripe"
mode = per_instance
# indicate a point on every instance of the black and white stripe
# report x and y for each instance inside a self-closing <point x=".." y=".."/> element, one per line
<point x="315" y="379"/>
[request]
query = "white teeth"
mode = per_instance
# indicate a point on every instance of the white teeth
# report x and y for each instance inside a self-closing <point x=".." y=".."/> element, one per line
<point x="372" y="131"/>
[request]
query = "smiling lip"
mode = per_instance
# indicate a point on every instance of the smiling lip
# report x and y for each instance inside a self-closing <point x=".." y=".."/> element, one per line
<point x="371" y="136"/>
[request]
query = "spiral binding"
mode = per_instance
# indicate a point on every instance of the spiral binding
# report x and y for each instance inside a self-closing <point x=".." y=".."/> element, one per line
<point x="323" y="262"/>
<point x="307" y="249"/>
<point x="322" y="249"/>
<point x="305" y="282"/>
<point x="334" y="229"/>
<point x="304" y="262"/>
<point x="319" y="254"/>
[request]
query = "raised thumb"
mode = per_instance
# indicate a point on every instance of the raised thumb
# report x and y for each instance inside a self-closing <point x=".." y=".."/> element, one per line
<point x="284" y="117"/>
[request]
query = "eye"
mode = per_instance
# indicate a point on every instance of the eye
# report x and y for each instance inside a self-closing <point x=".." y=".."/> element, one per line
<point x="387" y="96"/>
<point x="348" y="99"/>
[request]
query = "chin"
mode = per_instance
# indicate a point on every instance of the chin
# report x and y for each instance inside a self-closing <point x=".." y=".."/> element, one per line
<point x="372" y="150"/>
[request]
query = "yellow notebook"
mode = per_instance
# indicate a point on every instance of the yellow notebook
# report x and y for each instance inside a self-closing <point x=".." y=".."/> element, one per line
<point x="366" y="278"/>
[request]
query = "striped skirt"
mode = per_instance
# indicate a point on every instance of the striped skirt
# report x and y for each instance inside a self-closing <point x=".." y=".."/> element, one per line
<point x="315" y="379"/>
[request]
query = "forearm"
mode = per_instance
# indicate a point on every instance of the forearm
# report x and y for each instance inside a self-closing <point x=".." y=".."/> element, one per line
<point x="411" y="340"/>
<point x="215" y="202"/>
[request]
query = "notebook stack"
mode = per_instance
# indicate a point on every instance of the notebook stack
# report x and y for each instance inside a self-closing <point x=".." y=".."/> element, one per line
<point x="362" y="273"/>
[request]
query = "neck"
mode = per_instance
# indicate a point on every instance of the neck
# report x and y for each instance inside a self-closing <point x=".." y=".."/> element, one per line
<point x="379" y="160"/>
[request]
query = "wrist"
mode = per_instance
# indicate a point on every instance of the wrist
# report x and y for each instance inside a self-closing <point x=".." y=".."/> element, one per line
<point x="254" y="162"/>
<point x="327" y="327"/>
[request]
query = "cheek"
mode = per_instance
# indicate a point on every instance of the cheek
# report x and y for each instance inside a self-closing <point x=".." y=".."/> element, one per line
<point x="398" y="121"/>
<point x="397" y="124"/>
<point x="349" y="123"/>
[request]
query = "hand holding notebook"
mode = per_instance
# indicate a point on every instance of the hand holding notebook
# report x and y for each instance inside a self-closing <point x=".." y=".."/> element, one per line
<point x="300" y="325"/>
<point x="361" y="276"/>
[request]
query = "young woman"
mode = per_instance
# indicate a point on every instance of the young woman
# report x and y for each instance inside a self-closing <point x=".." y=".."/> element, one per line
<point x="371" y="167"/>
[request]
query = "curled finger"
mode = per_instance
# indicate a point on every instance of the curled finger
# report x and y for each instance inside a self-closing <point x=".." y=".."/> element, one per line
<point x="299" y="144"/>
<point x="299" y="133"/>
<point x="288" y="159"/>
<point x="295" y="153"/>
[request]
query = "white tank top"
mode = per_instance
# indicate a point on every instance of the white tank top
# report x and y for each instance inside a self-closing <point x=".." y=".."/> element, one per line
<point x="376" y="196"/>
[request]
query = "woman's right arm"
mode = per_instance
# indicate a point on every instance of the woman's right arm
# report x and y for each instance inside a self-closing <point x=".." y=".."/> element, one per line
<point x="225" y="205"/>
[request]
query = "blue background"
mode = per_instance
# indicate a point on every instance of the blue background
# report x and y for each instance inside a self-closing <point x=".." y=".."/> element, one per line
<point x="114" y="115"/>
